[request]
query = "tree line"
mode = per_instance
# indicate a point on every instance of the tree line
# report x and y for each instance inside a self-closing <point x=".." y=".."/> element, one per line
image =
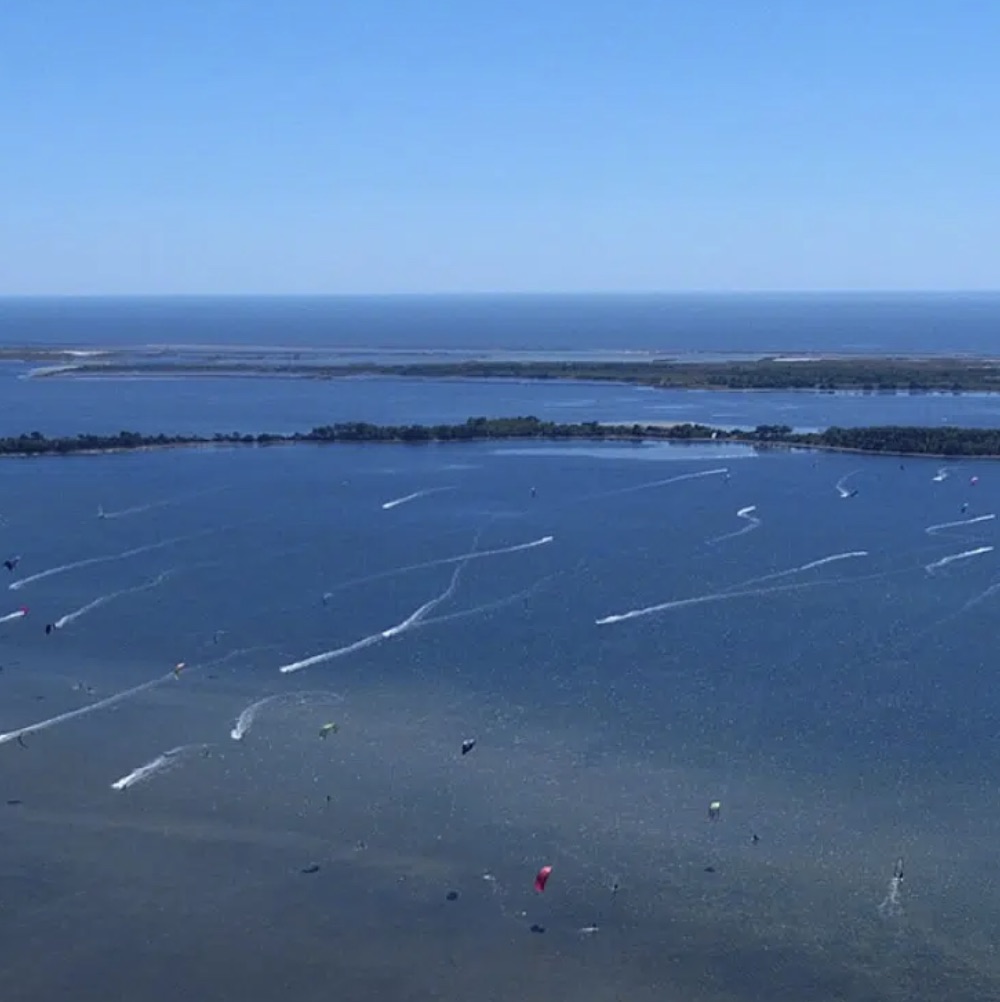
<point x="873" y="375"/>
<point x="895" y="439"/>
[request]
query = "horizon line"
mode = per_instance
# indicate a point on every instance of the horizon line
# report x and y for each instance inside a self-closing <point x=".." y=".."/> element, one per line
<point x="498" y="293"/>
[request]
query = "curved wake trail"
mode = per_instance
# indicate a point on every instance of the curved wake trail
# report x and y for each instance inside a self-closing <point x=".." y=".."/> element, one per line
<point x="726" y="595"/>
<point x="942" y="474"/>
<point x="159" y="764"/>
<point x="118" y="697"/>
<point x="71" y="617"/>
<point x="498" y="603"/>
<point x="414" y="619"/>
<point x="107" y="558"/>
<point x="717" y="596"/>
<point x="934" y="529"/>
<point x="396" y="502"/>
<point x="801" y="569"/>
<point x="841" y="484"/>
<point x="752" y="523"/>
<point x="11" y="616"/>
<point x="461" y="558"/>
<point x="376" y="638"/>
<point x="965" y="555"/>
<point x="246" y="719"/>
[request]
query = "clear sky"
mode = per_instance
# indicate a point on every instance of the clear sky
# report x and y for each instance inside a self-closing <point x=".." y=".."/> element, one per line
<point x="477" y="145"/>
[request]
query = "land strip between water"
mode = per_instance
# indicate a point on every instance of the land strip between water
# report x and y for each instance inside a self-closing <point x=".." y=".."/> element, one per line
<point x="828" y="373"/>
<point x="897" y="440"/>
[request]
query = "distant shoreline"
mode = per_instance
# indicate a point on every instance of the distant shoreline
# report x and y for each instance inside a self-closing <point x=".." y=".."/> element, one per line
<point x="784" y="371"/>
<point x="898" y="441"/>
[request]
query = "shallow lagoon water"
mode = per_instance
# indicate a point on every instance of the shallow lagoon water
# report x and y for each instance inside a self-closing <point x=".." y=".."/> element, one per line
<point x="68" y="406"/>
<point x="847" y="720"/>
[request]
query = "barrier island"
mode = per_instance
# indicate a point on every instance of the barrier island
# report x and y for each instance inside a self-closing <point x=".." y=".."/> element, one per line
<point x="885" y="439"/>
<point x="855" y="373"/>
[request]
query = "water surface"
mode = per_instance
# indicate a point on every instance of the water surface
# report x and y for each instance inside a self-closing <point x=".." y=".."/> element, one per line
<point x="847" y="717"/>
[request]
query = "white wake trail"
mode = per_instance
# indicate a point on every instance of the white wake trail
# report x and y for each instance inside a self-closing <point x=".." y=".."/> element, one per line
<point x="713" y="597"/>
<point x="841" y="484"/>
<point x="107" y="558"/>
<point x="965" y="555"/>
<point x="719" y="471"/>
<point x="159" y="764"/>
<point x="727" y="594"/>
<point x="932" y="530"/>
<point x="801" y="569"/>
<point x="498" y="603"/>
<point x="443" y="561"/>
<point x="376" y="638"/>
<point x="166" y="502"/>
<point x="119" y="697"/>
<point x="71" y="617"/>
<point x="11" y="616"/>
<point x="246" y="719"/>
<point x="973" y="602"/>
<point x="747" y="514"/>
<point x="942" y="474"/>
<point x="102" y="704"/>
<point x="396" y="502"/>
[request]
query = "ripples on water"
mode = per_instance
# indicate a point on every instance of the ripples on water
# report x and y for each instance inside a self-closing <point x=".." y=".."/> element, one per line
<point x="812" y="675"/>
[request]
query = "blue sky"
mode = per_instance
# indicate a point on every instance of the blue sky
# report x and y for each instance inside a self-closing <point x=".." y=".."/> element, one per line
<point x="471" y="145"/>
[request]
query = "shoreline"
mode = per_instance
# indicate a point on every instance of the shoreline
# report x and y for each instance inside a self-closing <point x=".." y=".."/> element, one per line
<point x="778" y="371"/>
<point x="895" y="441"/>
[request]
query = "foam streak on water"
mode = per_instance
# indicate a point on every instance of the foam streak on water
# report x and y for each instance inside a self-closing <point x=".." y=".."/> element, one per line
<point x="107" y="558"/>
<point x="934" y="529"/>
<point x="159" y="764"/>
<point x="965" y="555"/>
<point x="396" y="502"/>
<point x="109" y="597"/>
<point x="246" y="720"/>
<point x="725" y="595"/>
<point x="747" y="514"/>
<point x="443" y="561"/>
<point x="376" y="638"/>
<point x="103" y="704"/>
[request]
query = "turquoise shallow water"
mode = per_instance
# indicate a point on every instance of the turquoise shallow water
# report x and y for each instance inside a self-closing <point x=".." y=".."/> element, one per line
<point x="844" y="713"/>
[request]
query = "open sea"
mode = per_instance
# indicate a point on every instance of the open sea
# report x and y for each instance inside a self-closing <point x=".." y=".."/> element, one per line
<point x="630" y="634"/>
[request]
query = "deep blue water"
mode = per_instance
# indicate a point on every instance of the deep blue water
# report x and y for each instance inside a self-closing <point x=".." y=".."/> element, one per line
<point x="844" y="712"/>
<point x="847" y="718"/>
<point x="669" y="324"/>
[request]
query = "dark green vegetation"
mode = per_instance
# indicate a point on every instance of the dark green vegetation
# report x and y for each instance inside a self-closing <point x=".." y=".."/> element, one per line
<point x="886" y="439"/>
<point x="867" y="374"/>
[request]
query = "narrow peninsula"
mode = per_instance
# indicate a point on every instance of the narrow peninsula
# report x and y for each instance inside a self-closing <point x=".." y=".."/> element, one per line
<point x="886" y="439"/>
<point x="778" y="372"/>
